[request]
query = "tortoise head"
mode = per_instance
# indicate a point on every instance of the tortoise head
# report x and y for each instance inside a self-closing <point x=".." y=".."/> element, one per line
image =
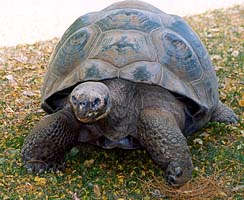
<point x="90" y="101"/>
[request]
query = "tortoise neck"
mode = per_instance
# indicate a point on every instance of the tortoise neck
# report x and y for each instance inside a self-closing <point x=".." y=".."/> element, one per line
<point x="68" y="112"/>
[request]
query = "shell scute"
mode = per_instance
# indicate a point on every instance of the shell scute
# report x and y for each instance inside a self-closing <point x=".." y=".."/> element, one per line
<point x="143" y="71"/>
<point x="182" y="28"/>
<point x="79" y="23"/>
<point x="121" y="48"/>
<point x="176" y="54"/>
<point x="73" y="51"/>
<point x="127" y="19"/>
<point x="93" y="69"/>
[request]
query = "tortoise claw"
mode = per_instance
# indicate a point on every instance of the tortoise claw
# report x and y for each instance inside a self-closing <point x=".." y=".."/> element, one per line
<point x="177" y="173"/>
<point x="39" y="167"/>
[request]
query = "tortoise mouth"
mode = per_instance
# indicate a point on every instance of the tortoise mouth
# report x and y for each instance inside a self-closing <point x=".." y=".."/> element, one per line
<point x="92" y="116"/>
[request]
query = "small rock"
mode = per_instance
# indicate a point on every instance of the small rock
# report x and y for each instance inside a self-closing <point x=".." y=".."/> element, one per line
<point x="214" y="29"/>
<point x="2" y="60"/>
<point x="218" y="68"/>
<point x="198" y="141"/>
<point x="235" y="53"/>
<point x="216" y="57"/>
<point x="28" y="93"/>
<point x="11" y="79"/>
<point x="90" y="185"/>
<point x="242" y="133"/>
<point x="156" y="193"/>
<point x="75" y="197"/>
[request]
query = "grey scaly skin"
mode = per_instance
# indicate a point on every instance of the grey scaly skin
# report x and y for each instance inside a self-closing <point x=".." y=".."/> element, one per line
<point x="223" y="114"/>
<point x="160" y="134"/>
<point x="44" y="149"/>
<point x="115" y="109"/>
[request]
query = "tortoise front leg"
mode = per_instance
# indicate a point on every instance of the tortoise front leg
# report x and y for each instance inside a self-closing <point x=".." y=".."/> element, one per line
<point x="53" y="136"/>
<point x="160" y="135"/>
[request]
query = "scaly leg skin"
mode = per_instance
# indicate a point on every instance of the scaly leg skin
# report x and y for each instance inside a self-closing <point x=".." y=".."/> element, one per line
<point x="160" y="135"/>
<point x="223" y="114"/>
<point x="44" y="149"/>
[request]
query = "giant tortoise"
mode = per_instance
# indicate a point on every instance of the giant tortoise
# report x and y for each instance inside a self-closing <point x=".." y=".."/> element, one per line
<point x="129" y="76"/>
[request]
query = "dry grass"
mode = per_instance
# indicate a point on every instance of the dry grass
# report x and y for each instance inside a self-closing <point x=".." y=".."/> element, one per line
<point x="198" y="188"/>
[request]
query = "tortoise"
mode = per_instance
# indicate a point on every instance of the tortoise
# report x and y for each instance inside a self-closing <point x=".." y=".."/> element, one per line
<point x="129" y="76"/>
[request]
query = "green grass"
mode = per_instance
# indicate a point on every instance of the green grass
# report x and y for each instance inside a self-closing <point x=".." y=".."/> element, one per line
<point x="94" y="173"/>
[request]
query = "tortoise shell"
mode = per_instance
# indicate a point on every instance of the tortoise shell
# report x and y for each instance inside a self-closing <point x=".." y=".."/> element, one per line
<point x="135" y="41"/>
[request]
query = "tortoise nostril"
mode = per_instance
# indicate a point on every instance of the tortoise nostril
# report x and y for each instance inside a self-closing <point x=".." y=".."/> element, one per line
<point x="83" y="103"/>
<point x="178" y="171"/>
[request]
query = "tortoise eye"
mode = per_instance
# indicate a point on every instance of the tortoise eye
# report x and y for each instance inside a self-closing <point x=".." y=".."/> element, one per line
<point x="96" y="102"/>
<point x="74" y="100"/>
<point x="106" y="100"/>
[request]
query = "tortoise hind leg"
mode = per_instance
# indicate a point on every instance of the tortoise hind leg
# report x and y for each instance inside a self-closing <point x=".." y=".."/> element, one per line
<point x="45" y="147"/>
<point x="160" y="135"/>
<point x="223" y="114"/>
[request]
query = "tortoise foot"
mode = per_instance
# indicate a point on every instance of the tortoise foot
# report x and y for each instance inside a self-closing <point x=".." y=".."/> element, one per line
<point x="224" y="114"/>
<point x="39" y="166"/>
<point x="176" y="174"/>
<point x="45" y="148"/>
<point x="163" y="139"/>
<point x="39" y="156"/>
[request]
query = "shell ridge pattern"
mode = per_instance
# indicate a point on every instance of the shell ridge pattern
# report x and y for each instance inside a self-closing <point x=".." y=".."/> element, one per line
<point x="189" y="35"/>
<point x="178" y="56"/>
<point x="174" y="83"/>
<point x="74" y="50"/>
<point x="96" y="69"/>
<point x="121" y="48"/>
<point x="96" y="41"/>
<point x="196" y="82"/>
<point x="153" y="44"/>
<point x="127" y="6"/>
<point x="64" y="43"/>
<point x="104" y="61"/>
<point x="153" y="47"/>
<point x="193" y="55"/>
<point x="155" y="29"/>
<point x="62" y="46"/>
<point x="159" y="27"/>
<point x="142" y="71"/>
<point x="128" y="19"/>
<point x="65" y="64"/>
<point x="45" y="90"/>
<point x="79" y="23"/>
<point x="209" y="80"/>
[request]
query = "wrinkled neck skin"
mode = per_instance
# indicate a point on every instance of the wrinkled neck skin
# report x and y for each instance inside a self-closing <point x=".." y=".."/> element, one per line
<point x="126" y="105"/>
<point x="120" y="103"/>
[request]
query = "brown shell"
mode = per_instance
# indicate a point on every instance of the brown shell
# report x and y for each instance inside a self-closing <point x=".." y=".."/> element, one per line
<point x="135" y="41"/>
